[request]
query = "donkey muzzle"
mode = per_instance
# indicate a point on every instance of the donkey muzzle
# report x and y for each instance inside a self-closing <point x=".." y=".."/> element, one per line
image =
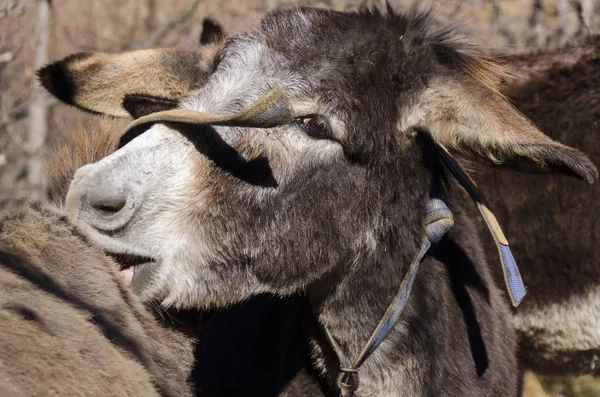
<point x="104" y="203"/>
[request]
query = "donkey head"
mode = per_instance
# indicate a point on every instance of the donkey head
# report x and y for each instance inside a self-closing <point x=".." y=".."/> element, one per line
<point x="221" y="213"/>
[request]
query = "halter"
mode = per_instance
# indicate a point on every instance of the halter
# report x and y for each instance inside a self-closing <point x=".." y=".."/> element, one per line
<point x="438" y="222"/>
<point x="273" y="109"/>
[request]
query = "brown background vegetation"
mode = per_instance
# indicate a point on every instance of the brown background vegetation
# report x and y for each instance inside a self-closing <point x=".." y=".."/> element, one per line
<point x="502" y="26"/>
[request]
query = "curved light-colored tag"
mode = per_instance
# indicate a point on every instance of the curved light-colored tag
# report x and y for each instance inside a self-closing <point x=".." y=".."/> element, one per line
<point x="271" y="110"/>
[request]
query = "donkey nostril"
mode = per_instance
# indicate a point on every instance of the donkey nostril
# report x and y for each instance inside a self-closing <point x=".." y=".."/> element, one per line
<point x="109" y="207"/>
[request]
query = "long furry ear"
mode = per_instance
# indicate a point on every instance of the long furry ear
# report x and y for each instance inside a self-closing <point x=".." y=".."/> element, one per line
<point x="473" y="119"/>
<point x="130" y="83"/>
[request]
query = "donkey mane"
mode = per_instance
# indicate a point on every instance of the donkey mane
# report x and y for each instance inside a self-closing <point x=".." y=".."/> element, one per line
<point x="451" y="49"/>
<point x="460" y="54"/>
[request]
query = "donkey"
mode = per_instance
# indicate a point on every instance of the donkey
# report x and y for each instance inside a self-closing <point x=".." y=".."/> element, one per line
<point x="330" y="205"/>
<point x="553" y="222"/>
<point x="68" y="324"/>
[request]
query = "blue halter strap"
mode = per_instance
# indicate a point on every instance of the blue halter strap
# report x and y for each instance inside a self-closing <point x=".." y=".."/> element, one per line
<point x="438" y="222"/>
<point x="512" y="277"/>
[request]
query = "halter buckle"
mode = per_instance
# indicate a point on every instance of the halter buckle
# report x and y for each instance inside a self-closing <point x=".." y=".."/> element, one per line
<point x="348" y="381"/>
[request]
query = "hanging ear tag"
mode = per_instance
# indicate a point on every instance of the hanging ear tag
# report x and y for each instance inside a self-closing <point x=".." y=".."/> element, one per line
<point x="512" y="276"/>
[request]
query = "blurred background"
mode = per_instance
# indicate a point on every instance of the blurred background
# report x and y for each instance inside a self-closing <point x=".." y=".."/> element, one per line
<point x="35" y="32"/>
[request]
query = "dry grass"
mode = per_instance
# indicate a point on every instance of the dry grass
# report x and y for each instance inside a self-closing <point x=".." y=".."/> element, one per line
<point x="583" y="386"/>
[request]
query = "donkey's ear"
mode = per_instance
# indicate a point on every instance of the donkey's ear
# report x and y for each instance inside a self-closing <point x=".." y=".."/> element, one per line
<point x="479" y="123"/>
<point x="212" y="32"/>
<point x="131" y="83"/>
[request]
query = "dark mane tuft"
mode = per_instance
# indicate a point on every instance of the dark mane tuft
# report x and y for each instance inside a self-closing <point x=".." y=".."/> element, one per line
<point x="456" y="52"/>
<point x="471" y="61"/>
<point x="449" y="48"/>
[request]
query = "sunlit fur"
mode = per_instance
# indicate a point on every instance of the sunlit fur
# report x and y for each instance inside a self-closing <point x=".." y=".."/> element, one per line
<point x="69" y="326"/>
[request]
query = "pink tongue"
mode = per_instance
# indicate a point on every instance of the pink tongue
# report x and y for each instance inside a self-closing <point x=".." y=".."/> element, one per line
<point x="128" y="275"/>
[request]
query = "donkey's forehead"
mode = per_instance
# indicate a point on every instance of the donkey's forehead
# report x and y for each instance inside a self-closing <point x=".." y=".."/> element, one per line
<point x="247" y="69"/>
<point x="302" y="51"/>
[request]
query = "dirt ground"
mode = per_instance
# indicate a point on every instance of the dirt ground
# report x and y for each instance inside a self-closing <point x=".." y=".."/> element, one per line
<point x="501" y="26"/>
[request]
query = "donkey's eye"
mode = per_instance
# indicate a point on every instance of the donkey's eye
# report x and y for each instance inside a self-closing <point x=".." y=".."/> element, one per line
<point x="315" y="126"/>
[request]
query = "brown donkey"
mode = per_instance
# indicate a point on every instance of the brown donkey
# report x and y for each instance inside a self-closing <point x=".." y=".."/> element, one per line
<point x="553" y="222"/>
<point x="330" y="205"/>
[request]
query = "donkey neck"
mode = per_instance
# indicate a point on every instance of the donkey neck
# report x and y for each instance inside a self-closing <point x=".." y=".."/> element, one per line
<point x="351" y="301"/>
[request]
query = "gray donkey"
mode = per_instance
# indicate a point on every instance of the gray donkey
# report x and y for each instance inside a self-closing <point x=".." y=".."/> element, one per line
<point x="331" y="204"/>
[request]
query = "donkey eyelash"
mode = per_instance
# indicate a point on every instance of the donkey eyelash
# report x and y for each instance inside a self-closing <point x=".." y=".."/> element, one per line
<point x="315" y="126"/>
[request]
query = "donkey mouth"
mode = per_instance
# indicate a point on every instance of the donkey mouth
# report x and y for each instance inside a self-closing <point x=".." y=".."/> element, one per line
<point x="135" y="270"/>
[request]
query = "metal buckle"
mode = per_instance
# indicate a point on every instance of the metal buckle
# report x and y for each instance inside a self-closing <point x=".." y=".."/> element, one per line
<point x="348" y="381"/>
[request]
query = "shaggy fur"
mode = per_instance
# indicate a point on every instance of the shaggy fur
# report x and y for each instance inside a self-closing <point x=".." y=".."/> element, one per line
<point x="542" y="323"/>
<point x="68" y="325"/>
<point x="344" y="218"/>
<point x="553" y="223"/>
<point x="80" y="333"/>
